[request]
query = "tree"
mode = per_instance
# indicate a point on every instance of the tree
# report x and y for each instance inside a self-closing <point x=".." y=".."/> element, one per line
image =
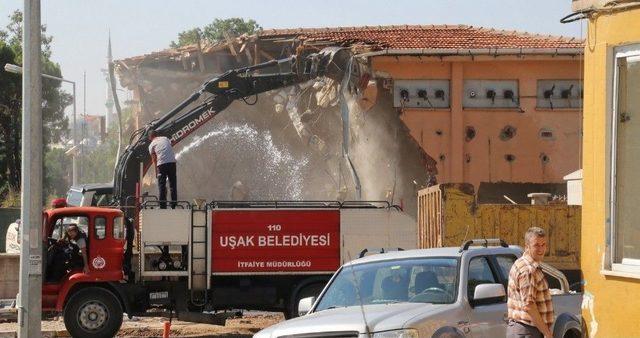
<point x="10" y="96"/>
<point x="214" y="32"/>
<point x="234" y="26"/>
<point x="58" y="174"/>
<point x="188" y="37"/>
<point x="54" y="101"/>
<point x="99" y="164"/>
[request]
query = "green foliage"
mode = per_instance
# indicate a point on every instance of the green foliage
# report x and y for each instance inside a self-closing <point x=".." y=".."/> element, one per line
<point x="214" y="32"/>
<point x="54" y="101"/>
<point x="10" y="200"/>
<point x="98" y="165"/>
<point x="13" y="36"/>
<point x="234" y="26"/>
<point x="57" y="174"/>
<point x="188" y="37"/>
<point x="10" y="96"/>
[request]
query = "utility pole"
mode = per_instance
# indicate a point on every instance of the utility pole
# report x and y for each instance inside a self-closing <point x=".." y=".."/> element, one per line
<point x="84" y="122"/>
<point x="30" y="296"/>
<point x="74" y="158"/>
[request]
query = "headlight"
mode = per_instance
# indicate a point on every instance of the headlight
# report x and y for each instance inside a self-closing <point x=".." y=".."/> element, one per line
<point x="405" y="333"/>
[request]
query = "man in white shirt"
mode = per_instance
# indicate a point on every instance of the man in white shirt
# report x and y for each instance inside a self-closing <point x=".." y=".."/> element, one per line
<point x="164" y="162"/>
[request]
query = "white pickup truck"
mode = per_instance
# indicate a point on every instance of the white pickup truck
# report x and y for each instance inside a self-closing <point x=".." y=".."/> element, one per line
<point x="441" y="292"/>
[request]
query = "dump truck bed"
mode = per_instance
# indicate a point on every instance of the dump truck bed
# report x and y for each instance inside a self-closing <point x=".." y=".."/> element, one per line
<point x="448" y="214"/>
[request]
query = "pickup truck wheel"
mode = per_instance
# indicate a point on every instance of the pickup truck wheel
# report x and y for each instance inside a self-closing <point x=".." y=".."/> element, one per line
<point x="448" y="332"/>
<point x="93" y="312"/>
<point x="307" y="291"/>
<point x="572" y="334"/>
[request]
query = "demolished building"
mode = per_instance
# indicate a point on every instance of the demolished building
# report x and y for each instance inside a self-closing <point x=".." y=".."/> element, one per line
<point x="438" y="104"/>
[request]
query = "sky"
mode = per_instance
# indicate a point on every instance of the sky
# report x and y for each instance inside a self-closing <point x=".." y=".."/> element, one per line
<point x="80" y="28"/>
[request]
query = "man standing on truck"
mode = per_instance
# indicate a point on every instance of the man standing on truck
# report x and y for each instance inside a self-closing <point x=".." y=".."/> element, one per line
<point x="164" y="162"/>
<point x="530" y="308"/>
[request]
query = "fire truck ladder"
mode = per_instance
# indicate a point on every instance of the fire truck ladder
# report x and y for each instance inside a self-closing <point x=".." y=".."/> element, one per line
<point x="199" y="262"/>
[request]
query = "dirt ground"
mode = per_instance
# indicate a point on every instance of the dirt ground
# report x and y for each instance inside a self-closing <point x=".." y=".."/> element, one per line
<point x="246" y="326"/>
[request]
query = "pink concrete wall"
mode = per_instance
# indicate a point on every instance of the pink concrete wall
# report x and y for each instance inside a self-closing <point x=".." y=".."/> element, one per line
<point x="482" y="159"/>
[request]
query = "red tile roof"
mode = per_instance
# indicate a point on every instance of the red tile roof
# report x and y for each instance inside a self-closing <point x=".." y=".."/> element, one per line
<point x="426" y="37"/>
<point x="407" y="37"/>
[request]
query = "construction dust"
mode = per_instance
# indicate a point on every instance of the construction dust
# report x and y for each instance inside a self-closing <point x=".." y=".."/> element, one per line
<point x="240" y="153"/>
<point x="294" y="144"/>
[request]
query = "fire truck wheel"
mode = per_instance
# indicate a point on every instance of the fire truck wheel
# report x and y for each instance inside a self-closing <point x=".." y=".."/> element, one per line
<point x="312" y="290"/>
<point x="93" y="312"/>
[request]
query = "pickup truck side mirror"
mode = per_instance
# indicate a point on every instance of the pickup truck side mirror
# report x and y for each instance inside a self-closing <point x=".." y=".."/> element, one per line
<point x="304" y="305"/>
<point x="486" y="294"/>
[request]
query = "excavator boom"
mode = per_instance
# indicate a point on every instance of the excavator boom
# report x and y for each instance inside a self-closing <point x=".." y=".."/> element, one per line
<point x="235" y="84"/>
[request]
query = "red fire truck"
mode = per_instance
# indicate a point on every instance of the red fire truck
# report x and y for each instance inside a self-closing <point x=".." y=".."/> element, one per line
<point x="197" y="259"/>
<point x="257" y="255"/>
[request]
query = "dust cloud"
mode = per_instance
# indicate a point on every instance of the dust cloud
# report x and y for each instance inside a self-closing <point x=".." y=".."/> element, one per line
<point x="289" y="146"/>
<point x="391" y="165"/>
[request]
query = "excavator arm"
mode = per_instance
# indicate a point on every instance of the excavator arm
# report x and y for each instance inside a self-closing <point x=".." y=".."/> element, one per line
<point x="236" y="84"/>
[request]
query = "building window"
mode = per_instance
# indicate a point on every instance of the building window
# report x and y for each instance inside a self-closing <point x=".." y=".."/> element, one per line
<point x="427" y="93"/>
<point x="625" y="164"/>
<point x="559" y="94"/>
<point x="489" y="94"/>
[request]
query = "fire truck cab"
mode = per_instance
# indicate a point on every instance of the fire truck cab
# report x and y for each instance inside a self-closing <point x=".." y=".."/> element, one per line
<point x="92" y="302"/>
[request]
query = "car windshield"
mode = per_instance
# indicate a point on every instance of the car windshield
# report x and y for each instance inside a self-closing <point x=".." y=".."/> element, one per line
<point x="424" y="280"/>
<point x="101" y="199"/>
<point x="74" y="198"/>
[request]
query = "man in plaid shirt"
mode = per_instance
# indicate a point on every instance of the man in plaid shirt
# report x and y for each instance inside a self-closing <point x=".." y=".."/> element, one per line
<point x="530" y="309"/>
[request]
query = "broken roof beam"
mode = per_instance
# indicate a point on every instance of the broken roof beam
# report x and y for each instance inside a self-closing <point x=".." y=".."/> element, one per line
<point x="200" y="57"/>
<point x="256" y="52"/>
<point x="230" y="43"/>
<point x="268" y="56"/>
<point x="246" y="49"/>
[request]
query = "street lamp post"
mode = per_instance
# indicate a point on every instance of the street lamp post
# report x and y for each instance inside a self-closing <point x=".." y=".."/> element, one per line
<point x="11" y="68"/>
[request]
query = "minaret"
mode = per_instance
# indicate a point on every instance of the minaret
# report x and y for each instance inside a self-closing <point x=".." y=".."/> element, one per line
<point x="110" y="119"/>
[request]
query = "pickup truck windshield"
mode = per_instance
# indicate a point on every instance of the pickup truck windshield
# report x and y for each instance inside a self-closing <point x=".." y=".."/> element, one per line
<point x="424" y="280"/>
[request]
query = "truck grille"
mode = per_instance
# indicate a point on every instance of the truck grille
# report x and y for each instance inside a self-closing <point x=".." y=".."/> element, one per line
<point x="336" y="334"/>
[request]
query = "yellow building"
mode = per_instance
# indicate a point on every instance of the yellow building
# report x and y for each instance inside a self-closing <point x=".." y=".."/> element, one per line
<point x="610" y="249"/>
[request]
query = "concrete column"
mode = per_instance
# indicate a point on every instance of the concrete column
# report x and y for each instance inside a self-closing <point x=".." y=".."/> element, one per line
<point x="456" y="143"/>
<point x="30" y="299"/>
